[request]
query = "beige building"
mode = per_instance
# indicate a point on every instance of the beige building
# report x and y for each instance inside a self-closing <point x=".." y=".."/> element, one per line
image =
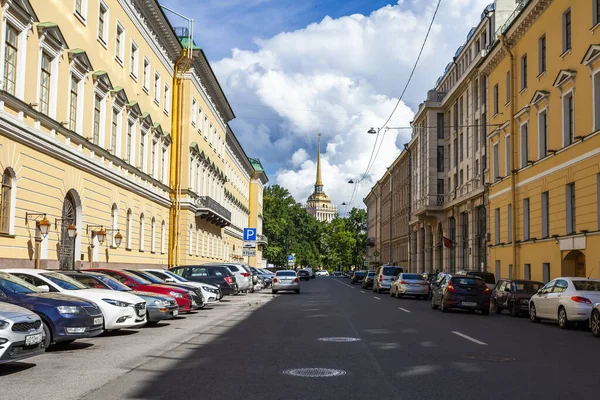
<point x="257" y="184"/>
<point x="318" y="204"/>
<point x="87" y="114"/>
<point x="373" y="203"/>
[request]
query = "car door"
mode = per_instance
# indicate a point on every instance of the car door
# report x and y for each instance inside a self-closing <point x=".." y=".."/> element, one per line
<point x="541" y="301"/>
<point x="438" y="289"/>
<point x="553" y="298"/>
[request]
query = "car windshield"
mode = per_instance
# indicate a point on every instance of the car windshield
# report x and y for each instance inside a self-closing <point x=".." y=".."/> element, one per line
<point x="286" y="273"/>
<point x="412" y="277"/>
<point x="63" y="281"/>
<point x="587" y="286"/>
<point x="387" y="271"/>
<point x="149" y="277"/>
<point x="112" y="283"/>
<point x="371" y="274"/>
<point x="16" y="285"/>
<point x="527" y="287"/>
<point x="487" y="278"/>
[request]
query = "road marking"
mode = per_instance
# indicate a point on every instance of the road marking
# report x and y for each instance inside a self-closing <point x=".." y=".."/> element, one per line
<point x="377" y="298"/>
<point x="403" y="309"/>
<point x="469" y="338"/>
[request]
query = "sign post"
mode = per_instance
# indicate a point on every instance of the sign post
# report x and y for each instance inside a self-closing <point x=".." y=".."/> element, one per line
<point x="249" y="249"/>
<point x="291" y="260"/>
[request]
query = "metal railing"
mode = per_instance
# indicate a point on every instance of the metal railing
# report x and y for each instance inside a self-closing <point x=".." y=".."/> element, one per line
<point x="211" y="204"/>
<point x="512" y="17"/>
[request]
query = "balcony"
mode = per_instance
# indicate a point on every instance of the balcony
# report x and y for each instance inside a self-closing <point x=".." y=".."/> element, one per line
<point x="263" y="240"/>
<point x="213" y="212"/>
<point x="428" y="204"/>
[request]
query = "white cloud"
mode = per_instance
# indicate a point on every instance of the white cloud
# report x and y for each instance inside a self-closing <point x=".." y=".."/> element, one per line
<point x="339" y="77"/>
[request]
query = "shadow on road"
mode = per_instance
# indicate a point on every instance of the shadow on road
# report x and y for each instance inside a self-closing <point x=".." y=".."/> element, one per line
<point x="14" y="368"/>
<point x="66" y="347"/>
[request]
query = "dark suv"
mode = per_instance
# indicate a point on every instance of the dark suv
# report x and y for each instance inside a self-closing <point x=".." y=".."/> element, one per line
<point x="304" y="275"/>
<point x="461" y="291"/>
<point x="217" y="275"/>
<point x="514" y="295"/>
<point x="357" y="277"/>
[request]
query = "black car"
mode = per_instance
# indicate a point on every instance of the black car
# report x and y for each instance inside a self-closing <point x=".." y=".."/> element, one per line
<point x="357" y="277"/>
<point x="367" y="282"/>
<point x="461" y="291"/>
<point x="303" y="275"/>
<point x="514" y="295"/>
<point x="217" y="275"/>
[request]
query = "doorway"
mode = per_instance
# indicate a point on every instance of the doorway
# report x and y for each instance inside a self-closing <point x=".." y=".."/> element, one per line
<point x="573" y="264"/>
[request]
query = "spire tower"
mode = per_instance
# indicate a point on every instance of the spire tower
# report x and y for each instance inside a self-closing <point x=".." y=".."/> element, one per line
<point x="318" y="204"/>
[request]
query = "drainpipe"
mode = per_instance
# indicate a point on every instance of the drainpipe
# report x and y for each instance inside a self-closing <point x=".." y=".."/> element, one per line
<point x="409" y="204"/>
<point x="175" y="167"/>
<point x="391" y="218"/>
<point x="513" y="171"/>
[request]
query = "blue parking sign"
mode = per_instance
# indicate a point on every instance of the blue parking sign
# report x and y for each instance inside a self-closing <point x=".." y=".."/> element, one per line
<point x="249" y="234"/>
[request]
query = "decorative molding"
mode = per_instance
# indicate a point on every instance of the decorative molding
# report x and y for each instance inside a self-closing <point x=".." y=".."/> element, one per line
<point x="564" y="76"/>
<point x="591" y="55"/>
<point x="538" y="97"/>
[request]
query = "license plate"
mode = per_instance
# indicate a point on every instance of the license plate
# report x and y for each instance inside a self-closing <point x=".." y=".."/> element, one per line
<point x="469" y="304"/>
<point x="98" y="321"/>
<point x="415" y="284"/>
<point x="33" y="339"/>
<point x="175" y="313"/>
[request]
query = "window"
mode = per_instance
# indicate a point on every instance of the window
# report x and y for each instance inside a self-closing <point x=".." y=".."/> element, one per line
<point x="507" y="88"/>
<point x="102" y="22"/>
<point x="167" y="101"/>
<point x="461" y="177"/>
<point x="129" y="229"/>
<point x="440" y="186"/>
<point x="153" y="236"/>
<point x="10" y="59"/>
<point x="142" y="229"/>
<point x="476" y="94"/>
<point x="568" y="119"/>
<point x="156" y="87"/>
<point x="440" y="125"/>
<point x="6" y="201"/>
<point x="130" y="128"/>
<point x="496" y="99"/>
<point x="162" y="238"/>
<point x="476" y="135"/>
<point x="524" y="145"/>
<point x="497" y="226"/>
<point x="570" y="197"/>
<point x="595" y="12"/>
<point x="73" y="104"/>
<point x="509" y="218"/>
<point x="80" y="9"/>
<point x="163" y="162"/>
<point x="526" y="233"/>
<point x="146" y="76"/>
<point x="133" y="68"/>
<point x="461" y="112"/>
<point x="119" y="43"/>
<point x="153" y="159"/>
<point x="461" y="146"/>
<point x="507" y="156"/>
<point x="440" y="158"/>
<point x="114" y="131"/>
<point x="194" y="114"/>
<point x="566" y="30"/>
<point x="496" y="170"/>
<point x="455" y="127"/>
<point x="45" y="73"/>
<point x="545" y="272"/>
<point x="97" y="118"/>
<point x="524" y="72"/>
<point x="142" y="150"/>
<point x="455" y="152"/>
<point x="546" y="215"/>
<point x="542" y="54"/>
<point x="542" y="134"/>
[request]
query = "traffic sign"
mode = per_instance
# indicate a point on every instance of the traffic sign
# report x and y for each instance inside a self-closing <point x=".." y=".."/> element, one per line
<point x="249" y="234"/>
<point x="291" y="257"/>
<point x="249" y="245"/>
<point x="365" y="263"/>
<point x="248" y="253"/>
<point x="376" y="254"/>
<point x="291" y="263"/>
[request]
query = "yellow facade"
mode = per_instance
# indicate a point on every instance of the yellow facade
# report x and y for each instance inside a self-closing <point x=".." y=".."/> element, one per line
<point x="543" y="72"/>
<point x="86" y="108"/>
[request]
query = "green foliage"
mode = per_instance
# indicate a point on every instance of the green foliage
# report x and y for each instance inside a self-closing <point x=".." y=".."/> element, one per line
<point x="290" y="229"/>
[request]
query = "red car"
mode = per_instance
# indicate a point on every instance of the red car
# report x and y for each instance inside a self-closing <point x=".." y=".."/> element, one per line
<point x="182" y="296"/>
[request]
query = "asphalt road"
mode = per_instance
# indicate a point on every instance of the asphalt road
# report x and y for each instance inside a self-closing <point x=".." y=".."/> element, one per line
<point x="405" y="351"/>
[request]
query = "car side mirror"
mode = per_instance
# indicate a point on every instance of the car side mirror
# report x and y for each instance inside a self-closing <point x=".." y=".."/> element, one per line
<point x="129" y="284"/>
<point x="44" y="288"/>
<point x="169" y="280"/>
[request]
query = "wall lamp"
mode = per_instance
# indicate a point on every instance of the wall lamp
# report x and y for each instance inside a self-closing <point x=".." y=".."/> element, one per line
<point x="71" y="228"/>
<point x="100" y="234"/>
<point x="43" y="225"/>
<point x="118" y="237"/>
<point x="555" y="238"/>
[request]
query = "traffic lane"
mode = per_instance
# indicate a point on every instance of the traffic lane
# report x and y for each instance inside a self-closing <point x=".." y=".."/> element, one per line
<point x="249" y="359"/>
<point x="526" y="354"/>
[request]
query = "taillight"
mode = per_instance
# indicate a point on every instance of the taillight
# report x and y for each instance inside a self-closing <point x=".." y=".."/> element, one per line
<point x="404" y="282"/>
<point x="275" y="280"/>
<point x="296" y="280"/>
<point x="451" y="288"/>
<point x="228" y="279"/>
<point x="380" y="278"/>
<point x="579" y="299"/>
<point x="487" y="289"/>
<point x="245" y="274"/>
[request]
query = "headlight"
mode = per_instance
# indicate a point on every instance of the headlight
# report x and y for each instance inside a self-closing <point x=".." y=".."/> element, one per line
<point x="117" y="303"/>
<point x="3" y="324"/>
<point x="161" y="303"/>
<point x="176" y="295"/>
<point x="68" y="309"/>
<point x="208" y="289"/>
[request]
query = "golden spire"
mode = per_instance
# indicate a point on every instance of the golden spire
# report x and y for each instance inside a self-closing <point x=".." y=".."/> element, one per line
<point x="319" y="182"/>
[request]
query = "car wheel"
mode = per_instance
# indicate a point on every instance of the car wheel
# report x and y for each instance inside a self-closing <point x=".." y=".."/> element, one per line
<point x="563" y="322"/>
<point x="273" y="291"/>
<point x="514" y="312"/>
<point x="443" y="306"/>
<point x="433" y="305"/>
<point x="47" y="336"/>
<point x="497" y="309"/>
<point x="297" y="291"/>
<point x="532" y="314"/>
<point x="595" y="323"/>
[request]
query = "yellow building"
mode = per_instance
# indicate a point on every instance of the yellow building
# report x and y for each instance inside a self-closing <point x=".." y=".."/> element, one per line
<point x="86" y="108"/>
<point x="544" y="115"/>
<point x="255" y="219"/>
<point x="318" y="204"/>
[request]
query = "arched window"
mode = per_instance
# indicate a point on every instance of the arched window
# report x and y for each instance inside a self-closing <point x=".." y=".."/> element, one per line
<point x="129" y="228"/>
<point x="153" y="238"/>
<point x="142" y="229"/>
<point x="162" y="238"/>
<point x="114" y="224"/>
<point x="197" y="241"/>
<point x="6" y="198"/>
<point x="190" y="239"/>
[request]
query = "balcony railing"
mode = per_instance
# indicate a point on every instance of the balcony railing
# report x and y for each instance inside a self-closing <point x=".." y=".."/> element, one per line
<point x="212" y="211"/>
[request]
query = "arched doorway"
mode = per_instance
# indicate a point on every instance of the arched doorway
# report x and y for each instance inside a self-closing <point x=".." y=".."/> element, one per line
<point x="68" y="245"/>
<point x="573" y="264"/>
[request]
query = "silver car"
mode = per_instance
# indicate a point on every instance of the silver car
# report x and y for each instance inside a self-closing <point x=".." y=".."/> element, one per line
<point x="285" y="280"/>
<point x="411" y="285"/>
<point x="21" y="333"/>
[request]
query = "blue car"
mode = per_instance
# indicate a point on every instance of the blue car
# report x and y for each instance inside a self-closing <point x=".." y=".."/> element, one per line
<point x="65" y="318"/>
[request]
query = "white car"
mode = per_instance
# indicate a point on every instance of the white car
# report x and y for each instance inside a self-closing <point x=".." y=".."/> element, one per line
<point x="121" y="310"/>
<point x="21" y="333"/>
<point x="322" y="272"/>
<point x="565" y="300"/>
<point x="211" y="293"/>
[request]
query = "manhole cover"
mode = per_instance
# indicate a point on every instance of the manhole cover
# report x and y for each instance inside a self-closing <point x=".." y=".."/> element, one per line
<point x="339" y="339"/>
<point x="314" y="372"/>
<point x="490" y="358"/>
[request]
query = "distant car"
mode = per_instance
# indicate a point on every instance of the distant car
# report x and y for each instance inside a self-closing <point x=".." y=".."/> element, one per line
<point x="357" y="277"/>
<point x="322" y="272"/>
<point x="461" y="291"/>
<point x="21" y="333"/>
<point x="286" y="280"/>
<point x="384" y="276"/>
<point x="488" y="277"/>
<point x="218" y="275"/>
<point x="265" y="275"/>
<point x="514" y="295"/>
<point x="565" y="300"/>
<point x="211" y="293"/>
<point x="311" y="272"/>
<point x="304" y="275"/>
<point x="406" y="284"/>
<point x="338" y="273"/>
<point x="367" y="282"/>
<point x="197" y="296"/>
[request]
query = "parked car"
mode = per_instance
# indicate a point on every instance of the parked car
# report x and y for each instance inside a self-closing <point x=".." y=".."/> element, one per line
<point x="384" y="276"/>
<point x="212" y="294"/>
<point x="488" y="277"/>
<point x="120" y="310"/>
<point x="430" y="277"/>
<point x="303" y="275"/>
<point x="286" y="280"/>
<point x="217" y="275"/>
<point x="265" y="275"/>
<point x="196" y="293"/>
<point x="183" y="297"/>
<point x="21" y="333"/>
<point x="367" y="282"/>
<point x="565" y="300"/>
<point x="242" y="277"/>
<point x="461" y="291"/>
<point x="311" y="272"/>
<point x="64" y="318"/>
<point x="514" y="295"/>
<point x="322" y="272"/>
<point x="595" y="320"/>
<point x="158" y="307"/>
<point x="409" y="284"/>
<point x="338" y="273"/>
<point x="357" y="277"/>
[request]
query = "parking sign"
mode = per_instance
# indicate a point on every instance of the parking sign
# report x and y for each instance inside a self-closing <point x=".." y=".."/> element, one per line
<point x="249" y="234"/>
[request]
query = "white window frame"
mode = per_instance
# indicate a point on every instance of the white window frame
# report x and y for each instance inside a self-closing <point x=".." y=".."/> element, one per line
<point x="119" y="137"/>
<point x="567" y="93"/>
<point x="22" y="30"/>
<point x="496" y="162"/>
<point x="595" y="99"/>
<point x="507" y="155"/>
<point x="142" y="235"/>
<point x="129" y="229"/>
<point x="153" y="238"/>
<point x="82" y="17"/>
<point x="524" y="142"/>
<point x="120" y="52"/>
<point x="134" y="128"/>
<point x="103" y="99"/>
<point x="104" y="39"/>
<point x="190" y="238"/>
<point x="54" y="55"/>
<point x="167" y="102"/>
<point x="162" y="238"/>
<point x="146" y="73"/>
<point x="542" y="143"/>
<point x="143" y="163"/>
<point x="157" y="89"/>
<point x="194" y="113"/>
<point x="134" y="69"/>
<point x="114" y="224"/>
<point x="79" y="108"/>
<point x="165" y="166"/>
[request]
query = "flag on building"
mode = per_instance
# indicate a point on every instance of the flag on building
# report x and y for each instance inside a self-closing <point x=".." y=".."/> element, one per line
<point x="447" y="242"/>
